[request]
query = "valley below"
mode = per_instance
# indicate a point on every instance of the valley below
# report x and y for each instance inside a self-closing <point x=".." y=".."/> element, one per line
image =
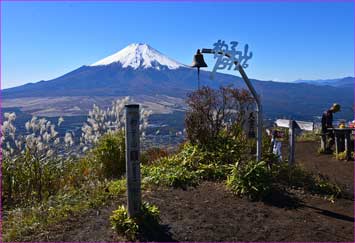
<point x="80" y="105"/>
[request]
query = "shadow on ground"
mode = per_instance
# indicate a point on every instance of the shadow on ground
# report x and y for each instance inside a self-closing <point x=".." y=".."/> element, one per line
<point x="151" y="233"/>
<point x="331" y="214"/>
<point x="282" y="199"/>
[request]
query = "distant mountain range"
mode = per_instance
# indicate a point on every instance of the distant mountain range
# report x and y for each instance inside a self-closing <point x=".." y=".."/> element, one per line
<point x="162" y="83"/>
<point x="341" y="82"/>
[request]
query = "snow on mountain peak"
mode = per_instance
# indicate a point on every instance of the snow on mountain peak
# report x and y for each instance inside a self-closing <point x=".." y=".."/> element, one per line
<point x="139" y="55"/>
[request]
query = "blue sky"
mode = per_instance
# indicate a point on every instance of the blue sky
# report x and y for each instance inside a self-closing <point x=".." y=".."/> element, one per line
<point x="289" y="40"/>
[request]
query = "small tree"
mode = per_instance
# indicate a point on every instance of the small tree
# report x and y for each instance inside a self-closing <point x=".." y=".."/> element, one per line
<point x="110" y="153"/>
<point x="210" y="111"/>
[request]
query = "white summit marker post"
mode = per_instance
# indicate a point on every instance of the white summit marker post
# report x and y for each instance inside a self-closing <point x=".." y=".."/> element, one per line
<point x="132" y="160"/>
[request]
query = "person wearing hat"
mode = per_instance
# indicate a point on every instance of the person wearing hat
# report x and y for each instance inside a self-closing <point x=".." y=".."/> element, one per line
<point x="327" y="122"/>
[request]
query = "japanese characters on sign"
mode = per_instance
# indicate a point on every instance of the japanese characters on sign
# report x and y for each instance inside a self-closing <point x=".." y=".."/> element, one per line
<point x="224" y="62"/>
<point x="132" y="159"/>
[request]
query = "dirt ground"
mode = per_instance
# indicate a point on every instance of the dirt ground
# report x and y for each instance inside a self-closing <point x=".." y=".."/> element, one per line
<point x="210" y="213"/>
<point x="338" y="171"/>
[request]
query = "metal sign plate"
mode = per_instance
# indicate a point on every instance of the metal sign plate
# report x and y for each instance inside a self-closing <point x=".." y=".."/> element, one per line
<point x="303" y="125"/>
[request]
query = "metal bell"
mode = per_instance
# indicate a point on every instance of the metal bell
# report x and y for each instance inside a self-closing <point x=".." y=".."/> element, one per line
<point x="198" y="60"/>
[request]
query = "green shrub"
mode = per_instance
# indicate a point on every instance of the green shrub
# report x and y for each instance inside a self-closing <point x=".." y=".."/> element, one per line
<point x="253" y="179"/>
<point x="192" y="164"/>
<point x="327" y="188"/>
<point x="123" y="224"/>
<point x="189" y="166"/>
<point x="130" y="226"/>
<point x="169" y="171"/>
<point x="150" y="213"/>
<point x="224" y="153"/>
<point x="256" y="180"/>
<point x="341" y="155"/>
<point x="229" y="147"/>
<point x="213" y="171"/>
<point x="297" y="177"/>
<point x="110" y="153"/>
<point x="117" y="187"/>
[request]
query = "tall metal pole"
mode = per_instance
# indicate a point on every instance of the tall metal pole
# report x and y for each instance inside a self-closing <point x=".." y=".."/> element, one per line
<point x="259" y="145"/>
<point x="132" y="160"/>
<point x="259" y="112"/>
<point x="198" y="77"/>
<point x="259" y="109"/>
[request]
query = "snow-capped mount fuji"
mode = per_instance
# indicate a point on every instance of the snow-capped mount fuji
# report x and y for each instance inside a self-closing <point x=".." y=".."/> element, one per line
<point x="156" y="80"/>
<point x="137" y="69"/>
<point x="139" y="55"/>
